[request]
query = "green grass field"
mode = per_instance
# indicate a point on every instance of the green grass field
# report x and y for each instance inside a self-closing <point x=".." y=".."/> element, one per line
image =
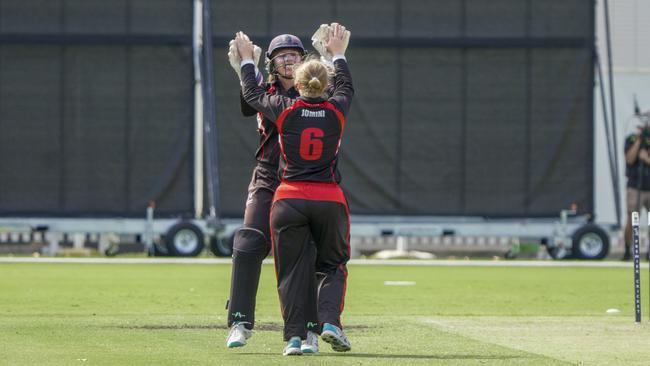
<point x="173" y="314"/>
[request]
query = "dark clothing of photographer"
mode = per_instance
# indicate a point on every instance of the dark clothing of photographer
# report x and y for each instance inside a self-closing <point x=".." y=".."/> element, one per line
<point x="637" y="171"/>
<point x="633" y="146"/>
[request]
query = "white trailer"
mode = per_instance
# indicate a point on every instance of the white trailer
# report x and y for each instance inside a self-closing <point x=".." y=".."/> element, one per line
<point x="178" y="237"/>
<point x="567" y="236"/>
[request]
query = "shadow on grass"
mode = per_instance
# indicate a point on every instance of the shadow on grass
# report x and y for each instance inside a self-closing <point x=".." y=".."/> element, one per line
<point x="391" y="356"/>
<point x="275" y="327"/>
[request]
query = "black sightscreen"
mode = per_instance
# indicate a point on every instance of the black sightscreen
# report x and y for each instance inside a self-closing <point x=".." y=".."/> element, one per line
<point x="91" y="17"/>
<point x="96" y="107"/>
<point x="462" y="107"/>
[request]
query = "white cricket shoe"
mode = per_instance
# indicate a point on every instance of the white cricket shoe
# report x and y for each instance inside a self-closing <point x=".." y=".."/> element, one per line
<point x="238" y="335"/>
<point x="310" y="345"/>
<point x="293" y="347"/>
<point x="335" y="337"/>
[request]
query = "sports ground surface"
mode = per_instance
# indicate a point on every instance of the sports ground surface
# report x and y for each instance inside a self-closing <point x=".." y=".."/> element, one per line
<point x="172" y="314"/>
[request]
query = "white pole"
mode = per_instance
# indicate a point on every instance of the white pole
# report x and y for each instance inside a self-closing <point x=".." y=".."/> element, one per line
<point x="197" y="44"/>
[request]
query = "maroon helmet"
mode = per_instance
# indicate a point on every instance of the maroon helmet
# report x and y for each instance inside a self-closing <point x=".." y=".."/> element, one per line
<point x="284" y="41"/>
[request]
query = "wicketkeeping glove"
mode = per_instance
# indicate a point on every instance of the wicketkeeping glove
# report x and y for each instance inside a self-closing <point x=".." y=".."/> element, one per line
<point x="318" y="41"/>
<point x="235" y="61"/>
<point x="346" y="40"/>
<point x="321" y="36"/>
<point x="257" y="53"/>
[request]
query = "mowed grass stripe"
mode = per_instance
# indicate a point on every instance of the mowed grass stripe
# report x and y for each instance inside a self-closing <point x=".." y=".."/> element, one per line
<point x="173" y="314"/>
<point x="599" y="340"/>
<point x="62" y="341"/>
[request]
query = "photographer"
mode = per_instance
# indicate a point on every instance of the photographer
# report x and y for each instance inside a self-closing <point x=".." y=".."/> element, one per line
<point x="637" y="170"/>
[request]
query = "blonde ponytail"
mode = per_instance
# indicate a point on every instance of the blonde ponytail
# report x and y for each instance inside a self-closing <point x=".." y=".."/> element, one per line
<point x="314" y="83"/>
<point x="312" y="77"/>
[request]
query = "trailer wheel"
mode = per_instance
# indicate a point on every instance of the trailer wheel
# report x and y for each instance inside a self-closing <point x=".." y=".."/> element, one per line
<point x="160" y="249"/>
<point x="184" y="239"/>
<point x="220" y="246"/>
<point x="590" y="242"/>
<point x="557" y="252"/>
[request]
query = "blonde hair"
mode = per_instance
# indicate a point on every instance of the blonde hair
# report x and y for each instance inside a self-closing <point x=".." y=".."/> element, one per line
<point x="312" y="76"/>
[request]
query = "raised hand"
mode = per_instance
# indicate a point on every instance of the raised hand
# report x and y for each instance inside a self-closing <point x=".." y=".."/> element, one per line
<point x="337" y="41"/>
<point x="244" y="45"/>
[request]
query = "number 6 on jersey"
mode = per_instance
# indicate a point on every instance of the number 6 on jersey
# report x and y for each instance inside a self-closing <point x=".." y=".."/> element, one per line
<point x="311" y="146"/>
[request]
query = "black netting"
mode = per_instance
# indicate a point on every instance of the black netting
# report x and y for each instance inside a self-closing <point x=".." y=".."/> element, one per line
<point x="431" y="18"/>
<point x="369" y="160"/>
<point x="432" y="131"/>
<point x="237" y="138"/>
<point x="561" y="130"/>
<point x="89" y="128"/>
<point x="30" y="16"/>
<point x="95" y="121"/>
<point x="160" y="17"/>
<point x="30" y="128"/>
<point x="495" y="140"/>
<point x="75" y="140"/>
<point x="256" y="22"/>
<point x="79" y="17"/>
<point x="496" y="18"/>
<point x="160" y="129"/>
<point x="562" y="18"/>
<point x="470" y="128"/>
<point x="95" y="16"/>
<point x="490" y="130"/>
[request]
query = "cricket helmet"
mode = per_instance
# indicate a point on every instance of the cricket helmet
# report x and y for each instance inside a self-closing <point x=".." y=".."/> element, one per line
<point x="284" y="41"/>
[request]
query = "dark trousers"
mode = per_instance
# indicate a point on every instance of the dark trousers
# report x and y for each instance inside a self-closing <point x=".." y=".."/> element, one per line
<point x="251" y="245"/>
<point x="294" y="222"/>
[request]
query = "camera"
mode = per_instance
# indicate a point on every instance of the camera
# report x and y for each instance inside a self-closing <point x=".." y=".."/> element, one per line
<point x="645" y="134"/>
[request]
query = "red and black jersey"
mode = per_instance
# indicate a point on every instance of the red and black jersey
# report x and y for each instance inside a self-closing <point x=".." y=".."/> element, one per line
<point x="268" y="150"/>
<point x="310" y="129"/>
<point x="310" y="137"/>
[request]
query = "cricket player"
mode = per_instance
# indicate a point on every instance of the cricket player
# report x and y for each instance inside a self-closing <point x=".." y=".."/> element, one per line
<point x="252" y="243"/>
<point x="309" y="202"/>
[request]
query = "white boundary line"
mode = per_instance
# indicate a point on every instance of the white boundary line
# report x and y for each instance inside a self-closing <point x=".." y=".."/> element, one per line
<point x="353" y="262"/>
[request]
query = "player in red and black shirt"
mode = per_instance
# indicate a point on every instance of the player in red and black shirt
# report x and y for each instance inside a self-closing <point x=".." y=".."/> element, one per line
<point x="252" y="243"/>
<point x="309" y="202"/>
